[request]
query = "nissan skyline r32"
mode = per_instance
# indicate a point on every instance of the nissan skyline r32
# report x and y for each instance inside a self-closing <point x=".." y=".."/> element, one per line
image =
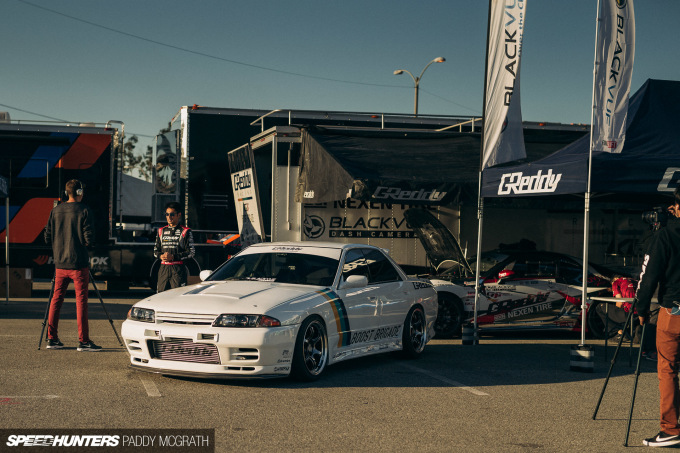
<point x="280" y="309"/>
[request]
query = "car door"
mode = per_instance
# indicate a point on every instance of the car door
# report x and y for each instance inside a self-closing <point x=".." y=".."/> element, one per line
<point x="393" y="298"/>
<point x="360" y="304"/>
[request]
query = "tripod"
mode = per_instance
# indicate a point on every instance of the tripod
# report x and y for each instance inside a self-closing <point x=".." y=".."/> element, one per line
<point x="637" y="371"/>
<point x="49" y="303"/>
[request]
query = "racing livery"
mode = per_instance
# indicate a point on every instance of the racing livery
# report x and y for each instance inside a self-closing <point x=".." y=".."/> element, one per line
<point x="520" y="288"/>
<point x="278" y="309"/>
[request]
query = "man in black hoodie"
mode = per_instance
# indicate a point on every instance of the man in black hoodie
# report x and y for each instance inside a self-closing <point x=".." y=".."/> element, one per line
<point x="661" y="268"/>
<point x="70" y="232"/>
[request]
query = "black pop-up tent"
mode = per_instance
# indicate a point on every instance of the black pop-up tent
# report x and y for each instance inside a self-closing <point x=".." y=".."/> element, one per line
<point x="648" y="164"/>
<point x="386" y="166"/>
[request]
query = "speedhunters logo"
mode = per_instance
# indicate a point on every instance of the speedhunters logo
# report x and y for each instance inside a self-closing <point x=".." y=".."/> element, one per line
<point x="138" y="440"/>
<point x="517" y="183"/>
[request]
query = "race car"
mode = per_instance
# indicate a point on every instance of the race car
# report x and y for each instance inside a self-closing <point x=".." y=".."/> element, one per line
<point x="519" y="288"/>
<point x="280" y="309"/>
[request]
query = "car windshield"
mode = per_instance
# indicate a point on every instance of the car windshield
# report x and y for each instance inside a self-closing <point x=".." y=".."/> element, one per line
<point x="297" y="268"/>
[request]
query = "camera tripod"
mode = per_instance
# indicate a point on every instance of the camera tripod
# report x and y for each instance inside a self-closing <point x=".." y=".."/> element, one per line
<point x="49" y="304"/>
<point x="629" y="320"/>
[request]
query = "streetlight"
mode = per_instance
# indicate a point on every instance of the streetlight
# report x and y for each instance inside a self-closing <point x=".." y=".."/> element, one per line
<point x="416" y="80"/>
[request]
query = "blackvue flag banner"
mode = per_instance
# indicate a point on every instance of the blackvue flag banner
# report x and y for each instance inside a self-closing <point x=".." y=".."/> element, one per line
<point x="503" y="136"/>
<point x="614" y="56"/>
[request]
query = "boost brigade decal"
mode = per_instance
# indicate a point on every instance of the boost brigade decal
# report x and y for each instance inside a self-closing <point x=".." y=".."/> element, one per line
<point x="365" y="336"/>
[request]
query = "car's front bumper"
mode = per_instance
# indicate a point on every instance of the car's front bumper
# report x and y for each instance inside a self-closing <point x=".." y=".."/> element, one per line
<point x="206" y="351"/>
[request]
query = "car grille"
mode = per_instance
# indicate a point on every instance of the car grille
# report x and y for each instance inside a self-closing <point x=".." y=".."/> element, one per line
<point x="184" y="350"/>
<point x="185" y="318"/>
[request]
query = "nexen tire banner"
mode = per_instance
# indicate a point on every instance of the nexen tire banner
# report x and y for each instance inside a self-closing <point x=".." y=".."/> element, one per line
<point x="614" y="55"/>
<point x="503" y="134"/>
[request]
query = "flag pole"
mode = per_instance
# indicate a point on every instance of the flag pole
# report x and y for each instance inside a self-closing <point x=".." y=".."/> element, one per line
<point x="586" y="213"/>
<point x="480" y="199"/>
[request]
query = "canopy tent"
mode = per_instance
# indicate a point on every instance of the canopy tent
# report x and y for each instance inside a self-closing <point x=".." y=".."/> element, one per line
<point x="386" y="166"/>
<point x="648" y="164"/>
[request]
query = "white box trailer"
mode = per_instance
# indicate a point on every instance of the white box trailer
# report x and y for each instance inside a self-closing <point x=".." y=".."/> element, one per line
<point x="273" y="205"/>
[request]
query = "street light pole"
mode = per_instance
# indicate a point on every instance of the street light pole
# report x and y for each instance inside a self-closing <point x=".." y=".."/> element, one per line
<point x="416" y="80"/>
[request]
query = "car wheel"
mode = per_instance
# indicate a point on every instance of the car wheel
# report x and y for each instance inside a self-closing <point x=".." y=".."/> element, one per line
<point x="414" y="335"/>
<point x="596" y="324"/>
<point x="449" y="316"/>
<point x="311" y="350"/>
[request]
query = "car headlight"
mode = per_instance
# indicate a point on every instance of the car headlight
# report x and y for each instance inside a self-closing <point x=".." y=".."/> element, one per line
<point x="229" y="320"/>
<point x="142" y="314"/>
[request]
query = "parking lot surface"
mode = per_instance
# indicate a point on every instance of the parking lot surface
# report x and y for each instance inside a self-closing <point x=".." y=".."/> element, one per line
<point x="510" y="393"/>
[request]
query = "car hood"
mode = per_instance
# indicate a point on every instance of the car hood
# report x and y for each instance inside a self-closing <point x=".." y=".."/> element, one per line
<point x="247" y="297"/>
<point x="440" y="245"/>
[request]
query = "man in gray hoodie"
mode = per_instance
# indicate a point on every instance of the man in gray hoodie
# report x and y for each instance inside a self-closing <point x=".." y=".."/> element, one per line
<point x="70" y="231"/>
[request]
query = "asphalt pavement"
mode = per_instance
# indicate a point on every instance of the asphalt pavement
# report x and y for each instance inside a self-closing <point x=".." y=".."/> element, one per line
<point x="511" y="393"/>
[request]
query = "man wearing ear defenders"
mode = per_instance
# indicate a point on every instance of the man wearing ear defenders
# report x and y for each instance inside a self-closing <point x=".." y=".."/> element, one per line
<point x="70" y="232"/>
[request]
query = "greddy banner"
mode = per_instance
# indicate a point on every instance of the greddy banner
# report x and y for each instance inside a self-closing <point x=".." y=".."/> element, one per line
<point x="246" y="200"/>
<point x="615" y="52"/>
<point x="503" y="135"/>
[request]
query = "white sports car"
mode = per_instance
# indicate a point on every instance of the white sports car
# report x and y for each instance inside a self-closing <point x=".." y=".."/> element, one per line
<point x="277" y="309"/>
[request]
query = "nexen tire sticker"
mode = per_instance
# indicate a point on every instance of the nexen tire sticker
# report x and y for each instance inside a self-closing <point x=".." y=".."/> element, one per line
<point x="340" y="313"/>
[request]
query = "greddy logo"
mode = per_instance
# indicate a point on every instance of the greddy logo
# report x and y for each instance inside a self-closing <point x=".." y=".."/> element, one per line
<point x="395" y="193"/>
<point x="670" y="180"/>
<point x="242" y="181"/>
<point x="517" y="183"/>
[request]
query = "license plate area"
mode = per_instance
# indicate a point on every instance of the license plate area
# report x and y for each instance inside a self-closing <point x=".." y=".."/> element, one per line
<point x="184" y="350"/>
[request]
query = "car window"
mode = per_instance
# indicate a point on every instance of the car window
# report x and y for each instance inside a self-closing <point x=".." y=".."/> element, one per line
<point x="490" y="263"/>
<point x="355" y="264"/>
<point x="297" y="268"/>
<point x="569" y="271"/>
<point x="532" y="268"/>
<point x="380" y="268"/>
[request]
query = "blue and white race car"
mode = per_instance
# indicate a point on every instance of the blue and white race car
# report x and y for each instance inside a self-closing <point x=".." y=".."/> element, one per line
<point x="277" y="309"/>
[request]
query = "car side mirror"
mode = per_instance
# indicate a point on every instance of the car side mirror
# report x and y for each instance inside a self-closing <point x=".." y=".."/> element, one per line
<point x="354" y="281"/>
<point x="204" y="275"/>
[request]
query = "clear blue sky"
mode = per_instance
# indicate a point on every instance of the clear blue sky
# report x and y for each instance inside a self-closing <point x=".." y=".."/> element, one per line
<point x="93" y="61"/>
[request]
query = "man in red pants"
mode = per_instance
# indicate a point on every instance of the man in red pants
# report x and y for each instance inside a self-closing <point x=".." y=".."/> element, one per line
<point x="661" y="268"/>
<point x="70" y="231"/>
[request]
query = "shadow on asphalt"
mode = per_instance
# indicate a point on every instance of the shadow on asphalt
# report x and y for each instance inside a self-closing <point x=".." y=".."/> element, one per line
<point x="501" y="359"/>
<point x="490" y="364"/>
